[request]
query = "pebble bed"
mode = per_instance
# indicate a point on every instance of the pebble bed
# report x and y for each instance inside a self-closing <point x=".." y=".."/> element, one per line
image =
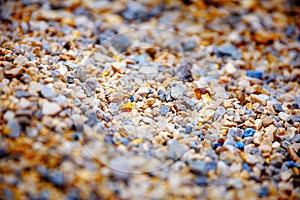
<point x="149" y="99"/>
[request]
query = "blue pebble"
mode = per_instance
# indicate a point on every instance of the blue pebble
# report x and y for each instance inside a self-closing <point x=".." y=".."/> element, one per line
<point x="264" y="192"/>
<point x="246" y="167"/>
<point x="254" y="74"/>
<point x="249" y="132"/>
<point x="164" y="110"/>
<point x="57" y="179"/>
<point x="291" y="164"/>
<point x="201" y="181"/>
<point x="188" y="129"/>
<point x="131" y="98"/>
<point x="124" y="141"/>
<point x="239" y="145"/>
<point x="215" y="145"/>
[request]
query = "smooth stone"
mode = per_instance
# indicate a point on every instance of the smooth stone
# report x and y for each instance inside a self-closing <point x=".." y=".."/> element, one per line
<point x="50" y="108"/>
<point x="235" y="132"/>
<point x="277" y="107"/>
<point x="228" y="50"/>
<point x="284" y="116"/>
<point x="48" y="92"/>
<point x="57" y="179"/>
<point x="148" y="70"/>
<point x="230" y="69"/>
<point x="14" y="128"/>
<point x="21" y="60"/>
<point x="249" y="132"/>
<point x="201" y="181"/>
<point x="189" y="45"/>
<point x="177" y="92"/>
<point x="120" y="42"/>
<point x="254" y="74"/>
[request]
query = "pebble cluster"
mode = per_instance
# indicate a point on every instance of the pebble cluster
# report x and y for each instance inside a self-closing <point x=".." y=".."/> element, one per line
<point x="149" y="99"/>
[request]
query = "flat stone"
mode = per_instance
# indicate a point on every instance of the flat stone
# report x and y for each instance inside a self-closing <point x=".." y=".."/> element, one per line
<point x="50" y="108"/>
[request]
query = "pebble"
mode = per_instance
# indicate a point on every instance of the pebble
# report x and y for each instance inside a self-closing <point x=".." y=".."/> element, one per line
<point x="50" y="108"/>
<point x="148" y="70"/>
<point x="21" y="61"/>
<point x="264" y="192"/>
<point x="14" y="129"/>
<point x="164" y="110"/>
<point x="284" y="116"/>
<point x="254" y="74"/>
<point x="190" y="45"/>
<point x="239" y="145"/>
<point x="57" y="179"/>
<point x="248" y="132"/>
<point x="277" y="107"/>
<point x="120" y="42"/>
<point x="14" y="72"/>
<point x="175" y="150"/>
<point x="201" y="181"/>
<point x="228" y="50"/>
<point x="48" y="92"/>
<point x="230" y="69"/>
<point x="177" y="92"/>
<point x="235" y="132"/>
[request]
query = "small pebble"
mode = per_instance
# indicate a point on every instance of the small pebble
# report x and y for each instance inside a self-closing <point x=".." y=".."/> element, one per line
<point x="264" y="192"/>
<point x="50" y="108"/>
<point x="164" y="110"/>
<point x="277" y="107"/>
<point x="239" y="145"/>
<point x="201" y="181"/>
<point x="254" y="74"/>
<point x="249" y="132"/>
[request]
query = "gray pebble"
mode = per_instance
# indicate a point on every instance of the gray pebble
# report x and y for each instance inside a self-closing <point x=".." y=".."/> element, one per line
<point x="48" y="92"/>
<point x="235" y="132"/>
<point x="190" y="45"/>
<point x="14" y="129"/>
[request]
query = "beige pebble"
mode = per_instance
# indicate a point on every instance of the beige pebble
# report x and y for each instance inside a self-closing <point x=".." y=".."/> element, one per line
<point x="50" y="108"/>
